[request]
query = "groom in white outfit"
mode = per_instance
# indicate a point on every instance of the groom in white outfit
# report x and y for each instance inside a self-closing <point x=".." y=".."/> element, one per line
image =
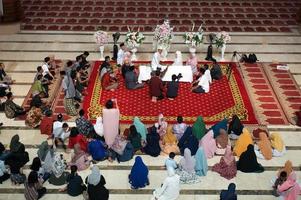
<point x="156" y="60"/>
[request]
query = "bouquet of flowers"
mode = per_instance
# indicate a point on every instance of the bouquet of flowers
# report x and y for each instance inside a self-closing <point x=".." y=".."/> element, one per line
<point x="221" y="38"/>
<point x="194" y="38"/>
<point x="101" y="38"/>
<point x="134" y="39"/>
<point x="163" y="33"/>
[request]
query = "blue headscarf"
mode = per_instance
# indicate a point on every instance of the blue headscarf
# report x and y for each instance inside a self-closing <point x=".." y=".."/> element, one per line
<point x="138" y="177"/>
<point x="201" y="166"/>
<point x="220" y="125"/>
<point x="140" y="127"/>
<point x="229" y="194"/>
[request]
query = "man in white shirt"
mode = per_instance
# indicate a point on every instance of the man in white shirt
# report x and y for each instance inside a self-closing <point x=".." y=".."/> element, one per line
<point x="207" y="73"/>
<point x="156" y="61"/>
<point x="202" y="84"/>
<point x="46" y="73"/>
<point x="120" y="54"/>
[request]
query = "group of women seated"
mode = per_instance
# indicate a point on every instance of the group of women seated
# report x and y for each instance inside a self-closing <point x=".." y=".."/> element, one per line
<point x="197" y="144"/>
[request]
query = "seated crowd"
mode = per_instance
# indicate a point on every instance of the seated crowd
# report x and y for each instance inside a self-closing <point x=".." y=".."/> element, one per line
<point x="92" y="143"/>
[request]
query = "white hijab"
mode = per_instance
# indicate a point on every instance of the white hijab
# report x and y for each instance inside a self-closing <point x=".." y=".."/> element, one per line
<point x="95" y="176"/>
<point x="98" y="127"/>
<point x="178" y="60"/>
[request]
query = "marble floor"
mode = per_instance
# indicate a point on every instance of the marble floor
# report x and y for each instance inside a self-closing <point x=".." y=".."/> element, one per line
<point x="22" y="52"/>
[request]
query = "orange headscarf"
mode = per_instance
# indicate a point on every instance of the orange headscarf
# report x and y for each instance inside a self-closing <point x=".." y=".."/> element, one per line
<point x="288" y="167"/>
<point x="242" y="142"/>
<point x="169" y="137"/>
<point x="265" y="146"/>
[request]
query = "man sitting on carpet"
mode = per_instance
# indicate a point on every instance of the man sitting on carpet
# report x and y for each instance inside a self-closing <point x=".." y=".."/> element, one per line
<point x="11" y="109"/>
<point x="156" y="87"/>
<point x="216" y="71"/>
<point x="202" y="84"/>
<point x="109" y="81"/>
<point x="104" y="67"/>
<point x="131" y="79"/>
<point x="173" y="87"/>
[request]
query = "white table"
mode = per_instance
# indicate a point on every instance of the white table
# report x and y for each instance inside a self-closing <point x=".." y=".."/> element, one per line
<point x="145" y="73"/>
<point x="185" y="70"/>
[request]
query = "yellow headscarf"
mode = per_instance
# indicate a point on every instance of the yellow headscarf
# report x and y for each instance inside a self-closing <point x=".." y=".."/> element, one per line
<point x="242" y="142"/>
<point x="169" y="137"/>
<point x="277" y="142"/>
<point x="265" y="146"/>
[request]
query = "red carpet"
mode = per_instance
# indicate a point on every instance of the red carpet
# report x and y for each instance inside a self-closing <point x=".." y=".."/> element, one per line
<point x="224" y="99"/>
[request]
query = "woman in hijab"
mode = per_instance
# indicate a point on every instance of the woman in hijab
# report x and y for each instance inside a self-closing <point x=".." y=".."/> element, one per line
<point x="170" y="189"/>
<point x="110" y="121"/>
<point x="209" y="144"/>
<point x="152" y="147"/>
<point x="186" y="169"/>
<point x="220" y="125"/>
<point x="179" y="128"/>
<point x="227" y="165"/>
<point x="138" y="178"/>
<point x="169" y="142"/>
<point x="188" y="140"/>
<point x="96" y="185"/>
<point x="290" y="189"/>
<point x="37" y="167"/>
<point x="248" y="161"/>
<point x="43" y="150"/>
<point x="59" y="175"/>
<point x="229" y="194"/>
<point x="15" y="143"/>
<point x="76" y="138"/>
<point x="79" y="158"/>
<point x="201" y="166"/>
<point x="278" y="147"/>
<point x="178" y="60"/>
<point x="264" y="148"/>
<point x="140" y="127"/>
<point x="199" y="128"/>
<point x="33" y="188"/>
<point x="235" y="127"/>
<point x="135" y="138"/>
<point x="98" y="127"/>
<point x="242" y="142"/>
<point x="16" y="160"/>
<point x="222" y="142"/>
<point x="161" y="125"/>
<point x="124" y="150"/>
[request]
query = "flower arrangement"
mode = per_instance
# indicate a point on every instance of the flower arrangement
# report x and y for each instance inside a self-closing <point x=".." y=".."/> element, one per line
<point x="163" y="33"/>
<point x="194" y="38"/>
<point x="134" y="39"/>
<point x="221" y="38"/>
<point x="101" y="38"/>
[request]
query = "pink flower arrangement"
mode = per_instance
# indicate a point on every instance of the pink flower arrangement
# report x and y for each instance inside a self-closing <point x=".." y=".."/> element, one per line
<point x="163" y="33"/>
<point x="222" y="38"/>
<point x="101" y="38"/>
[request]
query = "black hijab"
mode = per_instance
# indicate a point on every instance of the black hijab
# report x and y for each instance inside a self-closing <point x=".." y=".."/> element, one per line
<point x="152" y="147"/>
<point x="235" y="126"/>
<point x="248" y="161"/>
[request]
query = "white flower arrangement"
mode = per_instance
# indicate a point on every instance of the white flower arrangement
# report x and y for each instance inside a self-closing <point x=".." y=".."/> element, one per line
<point x="221" y="38"/>
<point x="194" y="38"/>
<point x="134" y="39"/>
<point x="101" y="38"/>
<point x="163" y="34"/>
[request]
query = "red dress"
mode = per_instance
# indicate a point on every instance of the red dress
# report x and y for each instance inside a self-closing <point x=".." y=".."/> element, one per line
<point x="156" y="87"/>
<point x="46" y="126"/>
<point x="81" y="140"/>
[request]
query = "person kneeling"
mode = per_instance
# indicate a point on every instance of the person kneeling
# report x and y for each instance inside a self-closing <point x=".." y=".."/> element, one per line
<point x="173" y="87"/>
<point x="131" y="79"/>
<point x="156" y="87"/>
<point x="202" y="84"/>
<point x="109" y="81"/>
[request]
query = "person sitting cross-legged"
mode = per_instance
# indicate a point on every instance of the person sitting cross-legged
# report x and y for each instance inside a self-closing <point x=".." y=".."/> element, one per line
<point x="109" y="81"/>
<point x="202" y="84"/>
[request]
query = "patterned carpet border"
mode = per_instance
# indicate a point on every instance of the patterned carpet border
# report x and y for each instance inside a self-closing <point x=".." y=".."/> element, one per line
<point x="242" y="105"/>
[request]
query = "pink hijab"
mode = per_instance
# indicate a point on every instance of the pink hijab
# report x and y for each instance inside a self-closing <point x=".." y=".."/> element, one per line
<point x="163" y="125"/>
<point x="228" y="157"/>
<point x="290" y="188"/>
<point x="188" y="162"/>
<point x="209" y="144"/>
